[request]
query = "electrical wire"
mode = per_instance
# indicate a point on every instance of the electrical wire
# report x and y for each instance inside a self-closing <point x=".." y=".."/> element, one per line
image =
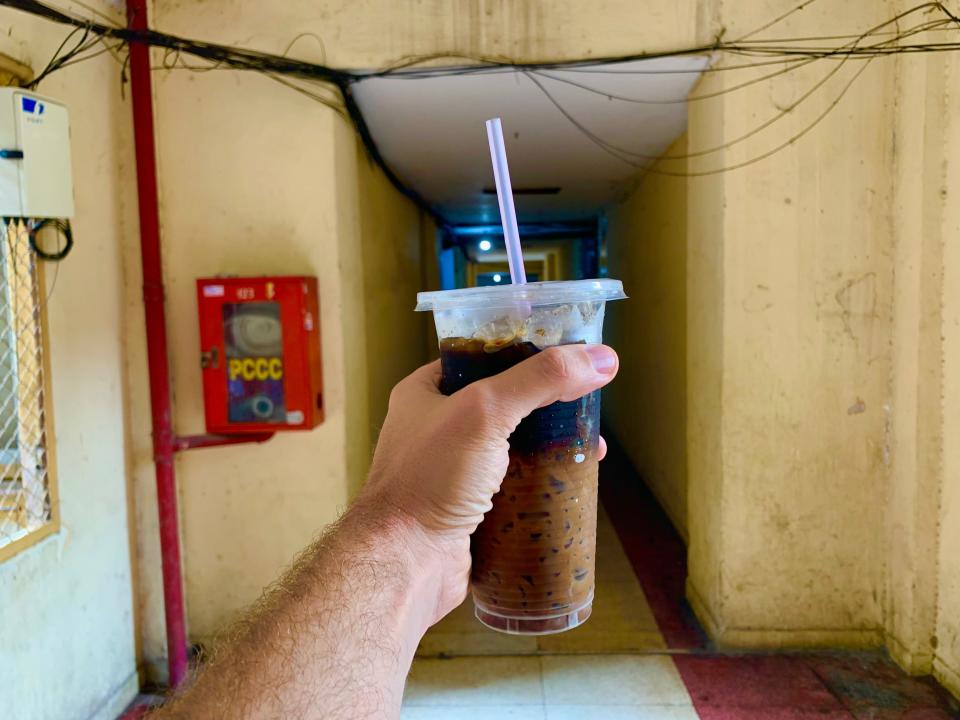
<point x="91" y="9"/>
<point x="796" y="64"/>
<point x="769" y="122"/>
<point x="18" y="229"/>
<point x="603" y="145"/>
<point x="332" y="103"/>
<point x="63" y="230"/>
<point x="243" y="58"/>
<point x="323" y="47"/>
<point x="317" y="80"/>
<point x="775" y="21"/>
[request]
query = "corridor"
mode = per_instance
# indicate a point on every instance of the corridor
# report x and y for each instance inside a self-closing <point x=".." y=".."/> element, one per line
<point x="222" y="219"/>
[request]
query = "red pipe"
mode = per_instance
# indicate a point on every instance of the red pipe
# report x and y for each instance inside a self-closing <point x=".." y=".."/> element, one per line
<point x="163" y="438"/>
<point x="190" y="442"/>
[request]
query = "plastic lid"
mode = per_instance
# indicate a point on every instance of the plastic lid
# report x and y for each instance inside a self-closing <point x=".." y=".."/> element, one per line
<point x="533" y="294"/>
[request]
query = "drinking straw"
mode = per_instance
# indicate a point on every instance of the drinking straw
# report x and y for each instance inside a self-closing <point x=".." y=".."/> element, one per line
<point x="508" y="214"/>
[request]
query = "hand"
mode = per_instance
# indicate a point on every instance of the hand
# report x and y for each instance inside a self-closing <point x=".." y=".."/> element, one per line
<point x="440" y="460"/>
<point x="335" y="637"/>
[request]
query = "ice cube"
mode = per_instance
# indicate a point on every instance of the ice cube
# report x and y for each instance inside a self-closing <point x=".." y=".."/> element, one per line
<point x="499" y="331"/>
<point x="545" y="327"/>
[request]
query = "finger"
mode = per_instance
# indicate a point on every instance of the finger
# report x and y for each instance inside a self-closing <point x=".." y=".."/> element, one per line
<point x="424" y="376"/>
<point x="427" y="376"/>
<point x="602" y="449"/>
<point x="565" y="372"/>
<point x="424" y="379"/>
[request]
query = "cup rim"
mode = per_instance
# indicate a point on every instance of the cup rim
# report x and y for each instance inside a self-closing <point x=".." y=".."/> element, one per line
<point x="537" y="294"/>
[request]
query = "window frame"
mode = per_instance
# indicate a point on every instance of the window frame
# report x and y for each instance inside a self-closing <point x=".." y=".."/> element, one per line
<point x="51" y="526"/>
<point x="14" y="72"/>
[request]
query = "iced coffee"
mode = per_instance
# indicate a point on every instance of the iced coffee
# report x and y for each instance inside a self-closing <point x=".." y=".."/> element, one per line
<point x="534" y="552"/>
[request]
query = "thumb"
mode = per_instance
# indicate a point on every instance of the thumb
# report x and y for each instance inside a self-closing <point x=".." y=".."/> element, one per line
<point x="563" y="372"/>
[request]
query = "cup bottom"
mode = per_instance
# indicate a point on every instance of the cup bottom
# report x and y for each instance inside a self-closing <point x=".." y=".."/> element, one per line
<point x="534" y="626"/>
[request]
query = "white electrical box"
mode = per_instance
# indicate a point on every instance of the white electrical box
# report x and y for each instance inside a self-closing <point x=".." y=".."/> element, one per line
<point x="35" y="176"/>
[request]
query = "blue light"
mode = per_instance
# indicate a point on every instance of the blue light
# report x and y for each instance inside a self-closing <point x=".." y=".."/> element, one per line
<point x="485" y="245"/>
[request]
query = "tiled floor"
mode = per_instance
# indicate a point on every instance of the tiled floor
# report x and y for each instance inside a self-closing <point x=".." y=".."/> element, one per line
<point x="613" y="666"/>
<point x="559" y="686"/>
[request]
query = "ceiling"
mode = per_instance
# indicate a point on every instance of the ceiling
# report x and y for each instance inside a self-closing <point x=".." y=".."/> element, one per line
<point x="430" y="131"/>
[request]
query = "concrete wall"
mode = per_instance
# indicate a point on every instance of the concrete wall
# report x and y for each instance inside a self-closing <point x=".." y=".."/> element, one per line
<point x="915" y="440"/>
<point x="947" y="655"/>
<point x="376" y="33"/>
<point x="393" y="273"/>
<point x="798" y="252"/>
<point x="646" y="407"/>
<point x="66" y="605"/>
<point x="821" y="350"/>
<point x="946" y="663"/>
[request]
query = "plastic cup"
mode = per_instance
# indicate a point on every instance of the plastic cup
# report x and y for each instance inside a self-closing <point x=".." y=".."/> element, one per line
<point x="534" y="553"/>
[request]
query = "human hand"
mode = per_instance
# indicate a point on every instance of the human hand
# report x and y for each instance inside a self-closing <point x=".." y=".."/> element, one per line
<point x="440" y="460"/>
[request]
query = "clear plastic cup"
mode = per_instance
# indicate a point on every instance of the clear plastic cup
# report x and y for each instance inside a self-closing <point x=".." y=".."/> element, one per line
<point x="534" y="553"/>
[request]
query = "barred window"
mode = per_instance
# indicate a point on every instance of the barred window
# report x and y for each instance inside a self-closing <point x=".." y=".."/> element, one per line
<point x="27" y="494"/>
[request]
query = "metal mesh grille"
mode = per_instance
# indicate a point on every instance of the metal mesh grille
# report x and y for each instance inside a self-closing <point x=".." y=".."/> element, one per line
<point x="25" y="503"/>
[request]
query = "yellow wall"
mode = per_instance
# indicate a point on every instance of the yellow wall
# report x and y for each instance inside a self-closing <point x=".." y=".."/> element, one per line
<point x="66" y="604"/>
<point x="798" y="252"/>
<point x="646" y="407"/>
<point x="944" y="168"/>
<point x="821" y="358"/>
<point x="922" y="619"/>
<point x="947" y="654"/>
<point x="376" y="33"/>
<point x="916" y="414"/>
<point x="390" y="229"/>
<point x="316" y="207"/>
<point x="310" y="205"/>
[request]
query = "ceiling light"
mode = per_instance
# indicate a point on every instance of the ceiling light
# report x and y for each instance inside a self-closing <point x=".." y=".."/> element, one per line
<point x="485" y="245"/>
<point x="496" y="277"/>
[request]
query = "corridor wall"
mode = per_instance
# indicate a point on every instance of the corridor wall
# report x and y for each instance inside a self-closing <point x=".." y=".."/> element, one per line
<point x="646" y="407"/>
<point x="823" y="492"/>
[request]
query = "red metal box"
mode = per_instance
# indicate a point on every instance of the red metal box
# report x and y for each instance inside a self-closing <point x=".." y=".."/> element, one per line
<point x="260" y="354"/>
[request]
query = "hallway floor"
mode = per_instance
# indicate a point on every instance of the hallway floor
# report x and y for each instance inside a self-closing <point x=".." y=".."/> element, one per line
<point x="642" y="656"/>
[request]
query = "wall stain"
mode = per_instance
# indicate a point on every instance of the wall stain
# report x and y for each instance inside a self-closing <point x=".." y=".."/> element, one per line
<point x="857" y="298"/>
<point x="857" y="408"/>
<point x="757" y="300"/>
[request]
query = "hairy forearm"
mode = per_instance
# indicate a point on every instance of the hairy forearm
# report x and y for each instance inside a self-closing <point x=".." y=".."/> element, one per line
<point x="334" y="638"/>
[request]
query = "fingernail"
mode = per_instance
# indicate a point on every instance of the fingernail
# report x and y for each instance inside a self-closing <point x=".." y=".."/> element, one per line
<point x="604" y="359"/>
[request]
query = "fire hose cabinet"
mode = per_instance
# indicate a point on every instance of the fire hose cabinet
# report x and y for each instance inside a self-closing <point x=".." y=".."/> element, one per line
<point x="260" y="354"/>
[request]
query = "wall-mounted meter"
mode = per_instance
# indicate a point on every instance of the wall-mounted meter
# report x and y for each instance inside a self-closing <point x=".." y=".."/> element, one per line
<point x="260" y="353"/>
<point x="35" y="175"/>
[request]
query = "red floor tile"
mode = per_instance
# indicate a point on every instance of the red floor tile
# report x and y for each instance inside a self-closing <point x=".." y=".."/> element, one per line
<point x="655" y="550"/>
<point x="916" y="714"/>
<point x="754" y="681"/>
<point x="876" y="689"/>
<point x="728" y="713"/>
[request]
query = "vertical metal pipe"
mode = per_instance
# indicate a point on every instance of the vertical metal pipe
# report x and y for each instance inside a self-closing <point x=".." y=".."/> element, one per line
<point x="153" y="302"/>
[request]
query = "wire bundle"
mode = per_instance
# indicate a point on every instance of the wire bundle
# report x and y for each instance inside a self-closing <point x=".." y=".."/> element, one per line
<point x="333" y="86"/>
